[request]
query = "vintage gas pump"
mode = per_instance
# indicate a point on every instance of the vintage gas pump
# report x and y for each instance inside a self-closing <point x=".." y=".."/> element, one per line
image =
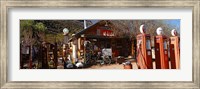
<point x="161" y="50"/>
<point x="144" y="55"/>
<point x="174" y="50"/>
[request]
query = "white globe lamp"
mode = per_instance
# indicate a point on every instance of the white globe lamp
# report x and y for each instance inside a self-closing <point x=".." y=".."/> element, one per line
<point x="173" y="32"/>
<point x="65" y="31"/>
<point x="159" y="31"/>
<point x="142" y="29"/>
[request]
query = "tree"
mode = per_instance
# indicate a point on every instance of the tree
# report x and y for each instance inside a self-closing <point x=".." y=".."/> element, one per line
<point x="131" y="27"/>
<point x="31" y="34"/>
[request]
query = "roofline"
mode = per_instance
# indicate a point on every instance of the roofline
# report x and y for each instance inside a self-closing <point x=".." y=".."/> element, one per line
<point x="77" y="34"/>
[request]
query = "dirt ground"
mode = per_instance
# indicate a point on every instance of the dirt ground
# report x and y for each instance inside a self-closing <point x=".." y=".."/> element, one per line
<point x="118" y="66"/>
<point x="113" y="66"/>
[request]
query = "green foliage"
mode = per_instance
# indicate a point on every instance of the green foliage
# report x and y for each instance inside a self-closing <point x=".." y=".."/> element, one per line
<point x="52" y="38"/>
<point x="36" y="31"/>
<point x="26" y="24"/>
<point x="31" y="32"/>
<point x="40" y="27"/>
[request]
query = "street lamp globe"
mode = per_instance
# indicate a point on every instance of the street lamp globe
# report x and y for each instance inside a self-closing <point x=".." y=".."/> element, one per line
<point x="142" y="29"/>
<point x="173" y="32"/>
<point x="159" y="31"/>
<point x="65" y="31"/>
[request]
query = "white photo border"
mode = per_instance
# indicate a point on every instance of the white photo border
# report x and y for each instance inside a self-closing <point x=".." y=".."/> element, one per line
<point x="184" y="14"/>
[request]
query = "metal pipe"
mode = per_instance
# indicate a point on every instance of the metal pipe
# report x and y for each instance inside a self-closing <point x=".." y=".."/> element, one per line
<point x="85" y="25"/>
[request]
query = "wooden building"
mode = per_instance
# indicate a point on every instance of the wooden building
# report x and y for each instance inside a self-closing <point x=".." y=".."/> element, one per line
<point x="102" y="36"/>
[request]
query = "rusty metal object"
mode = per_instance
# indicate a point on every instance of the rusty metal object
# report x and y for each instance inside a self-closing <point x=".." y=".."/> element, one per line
<point x="120" y="59"/>
<point x="161" y="52"/>
<point x="144" y="55"/>
<point x="127" y="65"/>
